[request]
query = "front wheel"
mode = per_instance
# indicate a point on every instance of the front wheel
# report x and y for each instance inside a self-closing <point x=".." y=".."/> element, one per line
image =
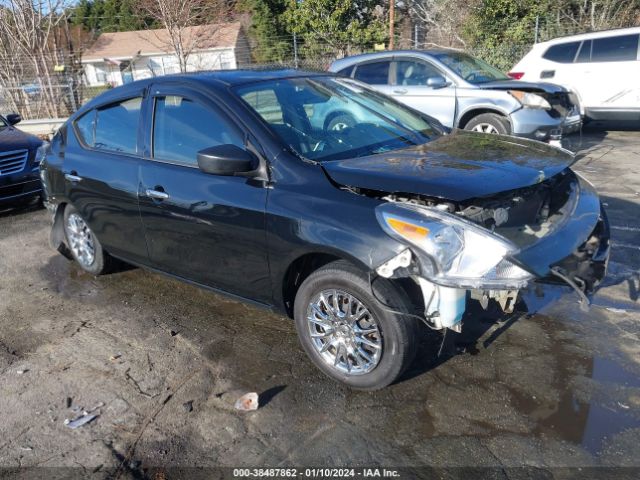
<point x="489" y="123"/>
<point x="358" y="337"/>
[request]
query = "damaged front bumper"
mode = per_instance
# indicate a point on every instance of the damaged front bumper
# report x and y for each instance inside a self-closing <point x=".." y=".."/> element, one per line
<point x="575" y="252"/>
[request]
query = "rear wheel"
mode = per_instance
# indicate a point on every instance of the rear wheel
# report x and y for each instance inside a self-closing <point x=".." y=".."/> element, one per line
<point x="83" y="244"/>
<point x="348" y="333"/>
<point x="489" y="123"/>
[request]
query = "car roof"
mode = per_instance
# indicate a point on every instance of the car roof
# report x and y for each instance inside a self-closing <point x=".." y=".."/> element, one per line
<point x="348" y="61"/>
<point x="589" y="35"/>
<point x="215" y="79"/>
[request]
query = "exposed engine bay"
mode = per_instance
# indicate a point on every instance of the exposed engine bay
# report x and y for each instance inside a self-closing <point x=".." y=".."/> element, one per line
<point x="522" y="216"/>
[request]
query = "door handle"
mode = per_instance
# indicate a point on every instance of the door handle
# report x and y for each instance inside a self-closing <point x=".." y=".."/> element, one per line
<point x="400" y="91"/>
<point x="157" y="194"/>
<point x="72" y="177"/>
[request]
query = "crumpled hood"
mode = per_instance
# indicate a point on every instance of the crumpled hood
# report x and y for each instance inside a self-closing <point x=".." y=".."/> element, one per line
<point x="524" y="86"/>
<point x="455" y="167"/>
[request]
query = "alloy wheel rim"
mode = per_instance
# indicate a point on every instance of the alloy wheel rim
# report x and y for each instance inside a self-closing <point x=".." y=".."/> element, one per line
<point x="339" y="126"/>
<point x="81" y="240"/>
<point x="344" y="333"/>
<point x="485" y="128"/>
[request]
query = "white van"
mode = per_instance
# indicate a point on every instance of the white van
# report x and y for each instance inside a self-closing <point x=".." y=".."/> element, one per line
<point x="603" y="68"/>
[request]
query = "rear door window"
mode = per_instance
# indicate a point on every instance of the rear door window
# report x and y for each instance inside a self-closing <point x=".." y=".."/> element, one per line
<point x="116" y="126"/>
<point x="585" y="52"/>
<point x="562" y="53"/>
<point x="374" y="73"/>
<point x="615" y="49"/>
<point x="346" y="72"/>
<point x="183" y="127"/>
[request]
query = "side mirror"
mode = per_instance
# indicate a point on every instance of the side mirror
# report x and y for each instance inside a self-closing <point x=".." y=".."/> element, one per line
<point x="226" y="160"/>
<point x="14" y="118"/>
<point x="437" y="82"/>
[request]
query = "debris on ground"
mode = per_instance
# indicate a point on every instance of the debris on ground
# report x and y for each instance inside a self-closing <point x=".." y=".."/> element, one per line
<point x="173" y="333"/>
<point x="115" y="357"/>
<point x="26" y="448"/>
<point x="616" y="310"/>
<point x="20" y="372"/>
<point x="188" y="406"/>
<point x="69" y="402"/>
<point x="247" y="402"/>
<point x="79" y="421"/>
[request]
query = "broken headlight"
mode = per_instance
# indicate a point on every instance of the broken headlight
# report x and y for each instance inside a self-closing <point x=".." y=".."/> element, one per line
<point x="453" y="251"/>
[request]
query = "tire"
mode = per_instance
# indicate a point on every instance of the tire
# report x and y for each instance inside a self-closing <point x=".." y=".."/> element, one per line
<point x="489" y="123"/>
<point x="395" y="335"/>
<point x="100" y="262"/>
<point x="340" y="122"/>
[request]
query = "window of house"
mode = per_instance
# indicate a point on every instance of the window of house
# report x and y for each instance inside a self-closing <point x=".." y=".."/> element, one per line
<point x="101" y="74"/>
<point x="170" y="64"/>
<point x="615" y="49"/>
<point x="113" y="128"/>
<point x="562" y="53"/>
<point x="375" y="73"/>
<point x="182" y="127"/>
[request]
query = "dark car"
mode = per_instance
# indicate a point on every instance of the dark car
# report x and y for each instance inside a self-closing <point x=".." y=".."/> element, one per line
<point x="359" y="234"/>
<point x="20" y="156"/>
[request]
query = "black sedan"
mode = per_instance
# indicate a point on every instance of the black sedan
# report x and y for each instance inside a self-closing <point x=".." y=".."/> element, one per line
<point x="20" y="156"/>
<point x="233" y="181"/>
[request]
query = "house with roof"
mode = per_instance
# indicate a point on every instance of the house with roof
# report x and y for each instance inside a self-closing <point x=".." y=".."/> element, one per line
<point x="122" y="57"/>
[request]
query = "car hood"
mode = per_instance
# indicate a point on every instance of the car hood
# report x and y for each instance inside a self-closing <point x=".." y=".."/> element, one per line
<point x="523" y="86"/>
<point x="455" y="167"/>
<point x="14" y="139"/>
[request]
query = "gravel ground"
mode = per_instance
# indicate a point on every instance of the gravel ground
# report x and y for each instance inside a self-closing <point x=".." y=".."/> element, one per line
<point x="164" y="362"/>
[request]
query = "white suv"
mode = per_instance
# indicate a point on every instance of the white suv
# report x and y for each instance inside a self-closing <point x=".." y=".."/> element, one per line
<point x="603" y="68"/>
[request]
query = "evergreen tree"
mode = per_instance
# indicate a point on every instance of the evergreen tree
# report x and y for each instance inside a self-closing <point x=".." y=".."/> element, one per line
<point x="268" y="31"/>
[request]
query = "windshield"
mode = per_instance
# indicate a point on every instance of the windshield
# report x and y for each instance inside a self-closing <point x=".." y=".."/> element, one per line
<point x="473" y="70"/>
<point x="327" y="118"/>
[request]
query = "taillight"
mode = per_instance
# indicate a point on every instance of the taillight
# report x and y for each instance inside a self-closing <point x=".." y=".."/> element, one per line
<point x="516" y="75"/>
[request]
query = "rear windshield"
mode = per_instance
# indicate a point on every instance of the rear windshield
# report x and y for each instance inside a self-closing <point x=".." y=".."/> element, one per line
<point x="328" y="118"/>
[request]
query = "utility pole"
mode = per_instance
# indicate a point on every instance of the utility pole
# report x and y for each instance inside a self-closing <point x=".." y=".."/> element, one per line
<point x="415" y="36"/>
<point x="392" y="19"/>
<point x="295" y="50"/>
<point x="535" y="39"/>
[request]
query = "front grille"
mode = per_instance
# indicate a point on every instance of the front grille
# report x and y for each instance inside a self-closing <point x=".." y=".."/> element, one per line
<point x="13" y="162"/>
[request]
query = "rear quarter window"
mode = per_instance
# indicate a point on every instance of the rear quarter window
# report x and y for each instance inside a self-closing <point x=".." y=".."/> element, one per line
<point x="562" y="53"/>
<point x="112" y="128"/>
<point x="615" y="49"/>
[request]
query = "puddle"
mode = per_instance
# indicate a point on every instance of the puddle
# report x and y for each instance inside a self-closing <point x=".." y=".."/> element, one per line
<point x="587" y="413"/>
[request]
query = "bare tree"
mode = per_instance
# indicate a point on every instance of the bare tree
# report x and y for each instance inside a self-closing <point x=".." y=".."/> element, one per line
<point x="442" y="19"/>
<point x="29" y="50"/>
<point x="188" y="24"/>
<point x="591" y="15"/>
